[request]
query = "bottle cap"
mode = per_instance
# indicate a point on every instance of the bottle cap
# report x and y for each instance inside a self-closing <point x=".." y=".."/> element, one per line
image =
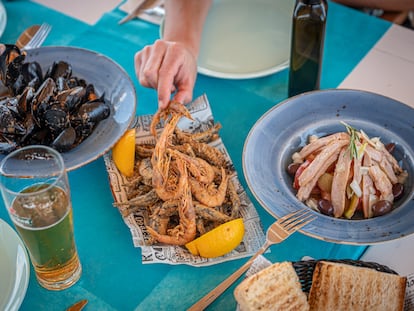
<point x="312" y="2"/>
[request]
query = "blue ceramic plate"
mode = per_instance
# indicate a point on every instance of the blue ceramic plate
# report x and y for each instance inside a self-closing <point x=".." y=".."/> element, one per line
<point x="107" y="77"/>
<point x="285" y="128"/>
<point x="14" y="268"/>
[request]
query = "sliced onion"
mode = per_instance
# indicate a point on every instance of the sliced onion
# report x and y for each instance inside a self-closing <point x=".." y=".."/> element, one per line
<point x="312" y="138"/>
<point x="361" y="150"/>
<point x="296" y="158"/>
<point x="364" y="170"/>
<point x="372" y="199"/>
<point x="374" y="142"/>
<point x="312" y="203"/>
<point x="356" y="188"/>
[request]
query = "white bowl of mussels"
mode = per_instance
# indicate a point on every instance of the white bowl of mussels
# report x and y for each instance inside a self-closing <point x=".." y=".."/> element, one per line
<point x="75" y="100"/>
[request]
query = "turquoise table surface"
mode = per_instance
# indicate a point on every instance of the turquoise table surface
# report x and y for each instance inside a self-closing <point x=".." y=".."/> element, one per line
<point x="113" y="277"/>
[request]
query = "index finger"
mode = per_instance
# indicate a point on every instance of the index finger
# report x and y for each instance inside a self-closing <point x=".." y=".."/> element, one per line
<point x="166" y="76"/>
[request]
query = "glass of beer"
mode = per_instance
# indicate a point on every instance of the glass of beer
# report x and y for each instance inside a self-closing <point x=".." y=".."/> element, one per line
<point x="36" y="193"/>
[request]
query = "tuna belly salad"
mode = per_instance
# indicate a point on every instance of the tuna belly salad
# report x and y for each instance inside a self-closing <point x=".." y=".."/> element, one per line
<point x="347" y="175"/>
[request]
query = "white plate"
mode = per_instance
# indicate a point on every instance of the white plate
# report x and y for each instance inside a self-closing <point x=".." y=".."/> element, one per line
<point x="245" y="39"/>
<point x="14" y="268"/>
<point x="3" y="18"/>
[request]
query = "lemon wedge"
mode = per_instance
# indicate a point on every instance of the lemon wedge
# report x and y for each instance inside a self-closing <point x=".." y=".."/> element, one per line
<point x="219" y="241"/>
<point x="123" y="153"/>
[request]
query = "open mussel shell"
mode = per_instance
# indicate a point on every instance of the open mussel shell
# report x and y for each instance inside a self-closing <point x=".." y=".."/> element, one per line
<point x="99" y="79"/>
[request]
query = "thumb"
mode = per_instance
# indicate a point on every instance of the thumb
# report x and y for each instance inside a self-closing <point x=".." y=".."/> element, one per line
<point x="183" y="96"/>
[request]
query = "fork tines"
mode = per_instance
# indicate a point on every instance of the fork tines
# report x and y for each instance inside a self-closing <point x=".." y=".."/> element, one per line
<point x="297" y="220"/>
<point x="39" y="36"/>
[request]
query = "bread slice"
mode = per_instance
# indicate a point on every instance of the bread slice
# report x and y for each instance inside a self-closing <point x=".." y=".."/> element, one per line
<point x="276" y="287"/>
<point x="342" y="287"/>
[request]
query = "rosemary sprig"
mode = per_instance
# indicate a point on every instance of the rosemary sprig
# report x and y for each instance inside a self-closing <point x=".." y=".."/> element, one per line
<point x="353" y="132"/>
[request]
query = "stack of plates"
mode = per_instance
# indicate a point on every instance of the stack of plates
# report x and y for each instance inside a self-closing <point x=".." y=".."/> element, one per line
<point x="14" y="268"/>
<point x="3" y="18"/>
<point x="246" y="39"/>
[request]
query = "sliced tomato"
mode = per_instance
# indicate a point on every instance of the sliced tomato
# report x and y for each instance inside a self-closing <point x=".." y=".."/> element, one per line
<point x="299" y="171"/>
<point x="331" y="168"/>
<point x="310" y="157"/>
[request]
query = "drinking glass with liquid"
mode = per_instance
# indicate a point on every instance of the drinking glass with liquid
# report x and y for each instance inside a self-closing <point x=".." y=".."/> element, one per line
<point x="35" y="189"/>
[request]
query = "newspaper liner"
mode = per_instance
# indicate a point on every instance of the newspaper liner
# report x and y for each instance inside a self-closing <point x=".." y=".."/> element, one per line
<point x="254" y="235"/>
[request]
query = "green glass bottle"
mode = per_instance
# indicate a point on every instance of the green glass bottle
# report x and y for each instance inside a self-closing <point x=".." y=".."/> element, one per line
<point x="308" y="34"/>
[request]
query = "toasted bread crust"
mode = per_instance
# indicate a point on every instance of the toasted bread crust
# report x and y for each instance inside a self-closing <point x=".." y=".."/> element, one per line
<point x="337" y="286"/>
<point x="276" y="287"/>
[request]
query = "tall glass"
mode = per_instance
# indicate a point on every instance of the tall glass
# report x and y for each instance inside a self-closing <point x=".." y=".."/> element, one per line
<point x="35" y="189"/>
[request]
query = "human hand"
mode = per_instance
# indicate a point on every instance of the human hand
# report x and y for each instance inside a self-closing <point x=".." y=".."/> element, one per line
<point x="168" y="67"/>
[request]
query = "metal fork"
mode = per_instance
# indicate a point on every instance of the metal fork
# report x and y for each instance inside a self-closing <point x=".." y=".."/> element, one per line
<point x="276" y="233"/>
<point x="39" y="37"/>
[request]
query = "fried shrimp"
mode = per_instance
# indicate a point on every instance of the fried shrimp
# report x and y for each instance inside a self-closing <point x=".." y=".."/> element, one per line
<point x="199" y="168"/>
<point x="161" y="160"/>
<point x="185" y="231"/>
<point x="209" y="194"/>
<point x="182" y="183"/>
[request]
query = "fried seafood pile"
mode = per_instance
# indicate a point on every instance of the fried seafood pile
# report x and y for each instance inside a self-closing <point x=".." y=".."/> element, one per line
<point x="182" y="183"/>
<point x="54" y="108"/>
<point x="347" y="175"/>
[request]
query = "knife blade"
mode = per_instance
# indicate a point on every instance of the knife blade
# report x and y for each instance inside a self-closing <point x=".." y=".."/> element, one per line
<point x="142" y="6"/>
<point x="78" y="305"/>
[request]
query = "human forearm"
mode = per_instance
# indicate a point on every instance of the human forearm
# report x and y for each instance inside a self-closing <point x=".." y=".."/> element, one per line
<point x="387" y="5"/>
<point x="184" y="22"/>
<point x="169" y="65"/>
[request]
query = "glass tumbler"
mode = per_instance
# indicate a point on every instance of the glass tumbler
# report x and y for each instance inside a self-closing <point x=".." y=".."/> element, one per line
<point x="35" y="189"/>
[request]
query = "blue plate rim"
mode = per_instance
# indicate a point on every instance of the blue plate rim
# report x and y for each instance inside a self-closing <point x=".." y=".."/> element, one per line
<point x="72" y="162"/>
<point x="285" y="201"/>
